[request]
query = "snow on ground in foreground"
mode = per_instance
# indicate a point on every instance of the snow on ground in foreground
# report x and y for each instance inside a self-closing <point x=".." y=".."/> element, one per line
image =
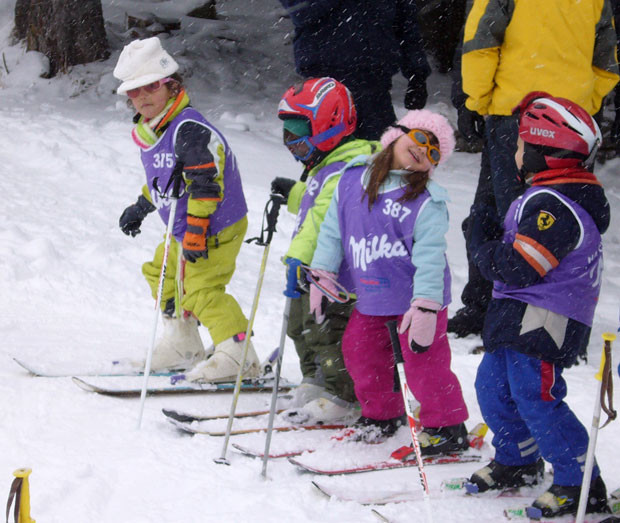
<point x="72" y="293"/>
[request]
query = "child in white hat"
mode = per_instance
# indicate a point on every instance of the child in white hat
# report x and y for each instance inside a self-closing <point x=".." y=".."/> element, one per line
<point x="176" y="140"/>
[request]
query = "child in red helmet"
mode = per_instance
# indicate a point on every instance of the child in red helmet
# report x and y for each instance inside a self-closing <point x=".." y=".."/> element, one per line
<point x="546" y="273"/>
<point x="319" y="121"/>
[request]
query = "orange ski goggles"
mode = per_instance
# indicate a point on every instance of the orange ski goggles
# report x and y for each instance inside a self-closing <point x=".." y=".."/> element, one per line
<point x="423" y="139"/>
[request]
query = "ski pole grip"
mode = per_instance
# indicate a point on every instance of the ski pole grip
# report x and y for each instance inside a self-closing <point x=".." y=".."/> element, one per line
<point x="392" y="326"/>
<point x="176" y="187"/>
<point x="175" y="181"/>
<point x="291" y="278"/>
<point x="605" y="376"/>
<point x="272" y="216"/>
<point x="608" y="337"/>
<point x="396" y="349"/>
<point x="20" y="493"/>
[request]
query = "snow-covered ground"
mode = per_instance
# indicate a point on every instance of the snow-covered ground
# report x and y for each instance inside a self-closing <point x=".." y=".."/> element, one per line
<point x="72" y="293"/>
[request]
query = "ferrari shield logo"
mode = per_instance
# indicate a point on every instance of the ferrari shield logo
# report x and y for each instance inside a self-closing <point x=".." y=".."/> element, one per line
<point x="545" y="220"/>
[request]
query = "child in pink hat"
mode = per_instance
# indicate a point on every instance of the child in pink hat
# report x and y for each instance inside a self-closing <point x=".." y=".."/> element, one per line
<point x="387" y="221"/>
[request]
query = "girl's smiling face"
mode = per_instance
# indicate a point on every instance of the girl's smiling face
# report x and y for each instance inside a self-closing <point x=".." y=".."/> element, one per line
<point x="150" y="104"/>
<point x="410" y="156"/>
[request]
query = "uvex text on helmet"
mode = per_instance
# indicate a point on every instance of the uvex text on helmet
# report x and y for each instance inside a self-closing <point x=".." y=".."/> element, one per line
<point x="559" y="132"/>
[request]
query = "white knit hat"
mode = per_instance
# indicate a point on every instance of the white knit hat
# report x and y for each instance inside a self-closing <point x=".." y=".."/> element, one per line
<point x="143" y="62"/>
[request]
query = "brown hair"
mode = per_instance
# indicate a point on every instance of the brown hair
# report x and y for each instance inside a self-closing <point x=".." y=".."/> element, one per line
<point x="176" y="85"/>
<point x="379" y="170"/>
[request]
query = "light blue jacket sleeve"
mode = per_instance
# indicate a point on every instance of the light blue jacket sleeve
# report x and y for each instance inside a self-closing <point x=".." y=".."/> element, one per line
<point x="329" y="251"/>
<point x="429" y="248"/>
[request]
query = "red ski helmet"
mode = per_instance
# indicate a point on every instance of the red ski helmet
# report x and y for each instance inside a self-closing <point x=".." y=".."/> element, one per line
<point x="327" y="105"/>
<point x="557" y="133"/>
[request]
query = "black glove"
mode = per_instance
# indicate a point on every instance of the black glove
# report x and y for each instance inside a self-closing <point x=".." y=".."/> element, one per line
<point x="470" y="124"/>
<point x="415" y="95"/>
<point x="484" y="226"/>
<point x="282" y="186"/>
<point x="132" y="217"/>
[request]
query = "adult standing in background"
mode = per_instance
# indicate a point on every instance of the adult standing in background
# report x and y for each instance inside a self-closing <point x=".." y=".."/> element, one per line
<point x="615" y="129"/>
<point x="513" y="47"/>
<point x="441" y="22"/>
<point x="362" y="43"/>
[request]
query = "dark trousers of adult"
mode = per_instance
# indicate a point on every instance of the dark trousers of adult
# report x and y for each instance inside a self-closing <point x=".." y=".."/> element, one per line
<point x="498" y="186"/>
<point x="440" y="23"/>
<point x="373" y="101"/>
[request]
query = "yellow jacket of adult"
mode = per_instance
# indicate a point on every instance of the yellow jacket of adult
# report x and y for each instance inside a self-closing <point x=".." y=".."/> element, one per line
<point x="512" y="47"/>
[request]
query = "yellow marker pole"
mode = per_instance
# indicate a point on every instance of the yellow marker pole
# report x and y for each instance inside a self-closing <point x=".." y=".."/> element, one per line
<point x="608" y="337"/>
<point x="24" y="496"/>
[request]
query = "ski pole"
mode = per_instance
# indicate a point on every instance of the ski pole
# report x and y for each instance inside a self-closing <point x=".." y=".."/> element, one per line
<point x="175" y="180"/>
<point x="271" y="216"/>
<point x="604" y="377"/>
<point x="267" y="365"/>
<point x="409" y="409"/>
<point x="180" y="285"/>
<point x="20" y="494"/>
<point x="290" y="292"/>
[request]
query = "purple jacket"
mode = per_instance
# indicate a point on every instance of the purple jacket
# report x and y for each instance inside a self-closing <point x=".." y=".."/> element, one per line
<point x="378" y="245"/>
<point x="159" y="162"/>
<point x="572" y="288"/>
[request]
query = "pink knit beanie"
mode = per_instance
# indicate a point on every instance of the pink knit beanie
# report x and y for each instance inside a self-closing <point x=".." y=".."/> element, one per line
<point x="427" y="121"/>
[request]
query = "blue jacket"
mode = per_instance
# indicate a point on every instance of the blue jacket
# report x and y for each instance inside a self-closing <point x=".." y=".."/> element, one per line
<point x="349" y="36"/>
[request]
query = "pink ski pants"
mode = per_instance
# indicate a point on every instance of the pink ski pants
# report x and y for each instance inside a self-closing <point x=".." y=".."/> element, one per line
<point x="369" y="359"/>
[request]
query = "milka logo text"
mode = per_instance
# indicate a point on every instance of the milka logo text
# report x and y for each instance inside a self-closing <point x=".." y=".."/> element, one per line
<point x="366" y="251"/>
<point x="542" y="132"/>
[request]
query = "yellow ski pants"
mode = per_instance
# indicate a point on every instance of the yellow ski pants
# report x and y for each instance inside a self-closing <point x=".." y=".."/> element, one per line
<point x="204" y="282"/>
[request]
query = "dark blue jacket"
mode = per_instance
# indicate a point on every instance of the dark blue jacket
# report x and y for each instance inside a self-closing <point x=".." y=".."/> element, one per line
<point x="499" y="261"/>
<point x="378" y="36"/>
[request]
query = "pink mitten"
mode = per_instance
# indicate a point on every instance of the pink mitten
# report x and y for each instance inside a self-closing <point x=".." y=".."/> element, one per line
<point x="421" y="320"/>
<point x="318" y="300"/>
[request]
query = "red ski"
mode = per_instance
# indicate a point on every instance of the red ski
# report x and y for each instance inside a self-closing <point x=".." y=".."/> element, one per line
<point x="395" y="462"/>
<point x="358" y="457"/>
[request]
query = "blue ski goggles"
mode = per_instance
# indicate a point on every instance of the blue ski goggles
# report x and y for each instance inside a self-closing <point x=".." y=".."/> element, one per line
<point x="301" y="148"/>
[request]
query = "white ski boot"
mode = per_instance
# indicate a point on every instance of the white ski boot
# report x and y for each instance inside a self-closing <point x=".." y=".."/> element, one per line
<point x="300" y="395"/>
<point x="180" y="346"/>
<point x="225" y="363"/>
<point x="324" y="411"/>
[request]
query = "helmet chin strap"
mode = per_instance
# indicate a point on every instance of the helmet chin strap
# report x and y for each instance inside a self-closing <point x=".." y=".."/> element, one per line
<point x="312" y="159"/>
<point x="524" y="175"/>
<point x="588" y="163"/>
<point x="533" y="160"/>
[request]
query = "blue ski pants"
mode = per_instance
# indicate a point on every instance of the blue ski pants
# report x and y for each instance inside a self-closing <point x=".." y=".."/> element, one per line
<point x="521" y="399"/>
